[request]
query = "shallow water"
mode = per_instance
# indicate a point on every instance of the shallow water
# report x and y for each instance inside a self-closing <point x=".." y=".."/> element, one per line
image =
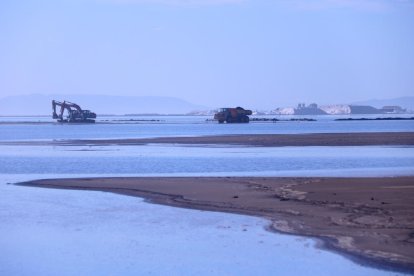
<point x="64" y="232"/>
<point x="164" y="160"/>
<point x="185" y="126"/>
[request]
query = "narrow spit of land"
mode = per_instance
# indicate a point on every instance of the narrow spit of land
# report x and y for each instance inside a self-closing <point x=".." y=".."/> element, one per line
<point x="275" y="140"/>
<point x="370" y="218"/>
<point x="263" y="140"/>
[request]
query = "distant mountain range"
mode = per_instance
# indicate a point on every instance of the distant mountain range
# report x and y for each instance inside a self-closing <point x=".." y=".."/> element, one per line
<point x="404" y="102"/>
<point x="36" y="104"/>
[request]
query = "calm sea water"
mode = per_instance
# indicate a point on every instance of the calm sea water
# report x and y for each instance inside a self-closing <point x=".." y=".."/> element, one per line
<point x="171" y="160"/>
<point x="209" y="161"/>
<point x="104" y="233"/>
<point x="162" y="126"/>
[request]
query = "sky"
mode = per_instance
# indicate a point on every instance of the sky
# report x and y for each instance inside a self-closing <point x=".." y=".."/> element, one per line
<point x="253" y="53"/>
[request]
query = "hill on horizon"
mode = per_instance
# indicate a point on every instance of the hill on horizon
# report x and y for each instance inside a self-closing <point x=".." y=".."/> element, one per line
<point x="38" y="104"/>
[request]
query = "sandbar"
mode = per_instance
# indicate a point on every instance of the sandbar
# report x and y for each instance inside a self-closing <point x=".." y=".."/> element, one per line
<point x="371" y="219"/>
<point x="263" y="140"/>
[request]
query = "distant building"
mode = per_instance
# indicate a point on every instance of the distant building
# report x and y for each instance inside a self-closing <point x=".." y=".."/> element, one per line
<point x="393" y="109"/>
<point x="338" y="109"/>
<point x="364" y="109"/>
<point x="311" y="109"/>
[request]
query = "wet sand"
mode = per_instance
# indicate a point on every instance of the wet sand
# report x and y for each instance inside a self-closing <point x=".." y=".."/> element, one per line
<point x="274" y="140"/>
<point x="264" y="140"/>
<point x="370" y="218"/>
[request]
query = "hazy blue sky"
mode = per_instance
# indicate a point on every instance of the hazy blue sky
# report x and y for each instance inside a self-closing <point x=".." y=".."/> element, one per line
<point x="257" y="53"/>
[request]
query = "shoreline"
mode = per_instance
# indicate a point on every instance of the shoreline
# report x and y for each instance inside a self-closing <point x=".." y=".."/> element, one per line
<point x="368" y="218"/>
<point x="260" y="140"/>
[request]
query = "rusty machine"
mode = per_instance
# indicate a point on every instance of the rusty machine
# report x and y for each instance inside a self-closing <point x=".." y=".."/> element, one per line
<point x="233" y="115"/>
<point x="74" y="114"/>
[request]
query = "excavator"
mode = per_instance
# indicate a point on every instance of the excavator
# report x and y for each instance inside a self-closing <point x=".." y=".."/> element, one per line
<point x="75" y="114"/>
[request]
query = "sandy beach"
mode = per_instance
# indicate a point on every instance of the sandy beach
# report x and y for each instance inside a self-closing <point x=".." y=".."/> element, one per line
<point x="370" y="218"/>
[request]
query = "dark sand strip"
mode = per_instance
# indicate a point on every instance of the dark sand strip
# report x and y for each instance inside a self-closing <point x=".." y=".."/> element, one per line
<point x="265" y="140"/>
<point x="372" y="218"/>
